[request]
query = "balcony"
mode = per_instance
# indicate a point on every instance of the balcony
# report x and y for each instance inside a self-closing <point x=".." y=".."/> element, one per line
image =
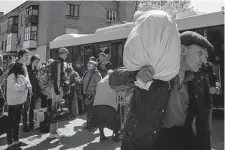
<point x="11" y="42"/>
<point x="31" y="20"/>
<point x="30" y="44"/>
<point x="12" y="28"/>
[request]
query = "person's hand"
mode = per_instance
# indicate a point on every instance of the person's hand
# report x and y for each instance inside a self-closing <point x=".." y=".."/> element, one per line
<point x="73" y="84"/>
<point x="145" y="74"/>
<point x="194" y="129"/>
<point x="30" y="92"/>
<point x="217" y="90"/>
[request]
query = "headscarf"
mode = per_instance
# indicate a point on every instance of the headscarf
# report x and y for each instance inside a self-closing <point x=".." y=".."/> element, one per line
<point x="154" y="41"/>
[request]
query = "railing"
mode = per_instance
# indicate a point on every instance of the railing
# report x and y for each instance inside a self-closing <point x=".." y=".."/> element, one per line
<point x="31" y="20"/>
<point x="12" y="28"/>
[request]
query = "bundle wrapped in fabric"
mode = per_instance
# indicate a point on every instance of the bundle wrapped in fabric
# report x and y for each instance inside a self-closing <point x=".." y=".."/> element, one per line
<point x="104" y="94"/>
<point x="153" y="41"/>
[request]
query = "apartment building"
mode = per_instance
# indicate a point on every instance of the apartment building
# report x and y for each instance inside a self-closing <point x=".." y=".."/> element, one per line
<point x="34" y="24"/>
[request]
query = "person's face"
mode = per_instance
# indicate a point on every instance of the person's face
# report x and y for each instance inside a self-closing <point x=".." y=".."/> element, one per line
<point x="25" y="57"/>
<point x="64" y="56"/>
<point x="36" y="62"/>
<point x="65" y="66"/>
<point x="101" y="58"/>
<point x="194" y="57"/>
<point x="90" y="66"/>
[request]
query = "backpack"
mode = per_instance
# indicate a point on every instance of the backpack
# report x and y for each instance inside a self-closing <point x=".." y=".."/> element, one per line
<point x="3" y="79"/>
<point x="44" y="78"/>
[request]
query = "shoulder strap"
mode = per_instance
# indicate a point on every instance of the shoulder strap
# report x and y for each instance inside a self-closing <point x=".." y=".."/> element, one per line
<point x="58" y="74"/>
<point x="89" y="80"/>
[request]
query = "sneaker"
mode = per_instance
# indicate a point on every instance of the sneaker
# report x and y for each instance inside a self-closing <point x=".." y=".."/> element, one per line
<point x="103" y="139"/>
<point x="13" y="148"/>
<point x="85" y="127"/>
<point x="19" y="143"/>
<point x="118" y="137"/>
<point x="91" y="129"/>
<point x="10" y="147"/>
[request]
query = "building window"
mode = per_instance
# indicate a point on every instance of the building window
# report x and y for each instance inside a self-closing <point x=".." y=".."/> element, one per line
<point x="2" y="45"/>
<point x="30" y="33"/>
<point x="74" y="10"/>
<point x="111" y="15"/>
<point x="21" y="20"/>
<point x="5" y="44"/>
<point x="32" y="10"/>
<point x="71" y="30"/>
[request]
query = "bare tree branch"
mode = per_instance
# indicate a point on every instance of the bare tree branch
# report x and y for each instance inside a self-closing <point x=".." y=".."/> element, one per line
<point x="171" y="7"/>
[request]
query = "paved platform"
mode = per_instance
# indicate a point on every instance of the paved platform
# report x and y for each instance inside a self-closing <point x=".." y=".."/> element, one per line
<point x="78" y="139"/>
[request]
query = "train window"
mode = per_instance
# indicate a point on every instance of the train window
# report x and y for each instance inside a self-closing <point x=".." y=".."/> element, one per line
<point x="53" y="53"/>
<point x="117" y="54"/>
<point x="69" y="57"/>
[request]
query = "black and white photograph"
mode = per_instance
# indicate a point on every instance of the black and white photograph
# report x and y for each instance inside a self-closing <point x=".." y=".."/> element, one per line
<point x="112" y="75"/>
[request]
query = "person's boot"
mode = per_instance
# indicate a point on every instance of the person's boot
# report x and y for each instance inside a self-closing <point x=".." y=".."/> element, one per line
<point x="103" y="138"/>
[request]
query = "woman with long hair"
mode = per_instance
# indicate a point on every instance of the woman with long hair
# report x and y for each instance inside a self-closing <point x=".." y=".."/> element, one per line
<point x="74" y="81"/>
<point x="18" y="85"/>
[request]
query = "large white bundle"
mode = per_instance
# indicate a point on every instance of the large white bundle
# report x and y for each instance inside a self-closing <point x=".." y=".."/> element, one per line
<point x="154" y="41"/>
<point x="104" y="94"/>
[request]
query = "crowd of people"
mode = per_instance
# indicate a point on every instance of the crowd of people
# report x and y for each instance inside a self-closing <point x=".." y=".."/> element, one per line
<point x="42" y="85"/>
<point x="169" y="74"/>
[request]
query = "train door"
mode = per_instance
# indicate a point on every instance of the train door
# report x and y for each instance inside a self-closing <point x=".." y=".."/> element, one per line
<point x="216" y="36"/>
<point x="117" y="48"/>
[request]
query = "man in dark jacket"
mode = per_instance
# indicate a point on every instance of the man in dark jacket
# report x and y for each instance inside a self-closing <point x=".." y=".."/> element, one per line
<point x="171" y="126"/>
<point x="103" y="65"/>
<point x="32" y="72"/>
<point x="58" y="78"/>
<point x="204" y="85"/>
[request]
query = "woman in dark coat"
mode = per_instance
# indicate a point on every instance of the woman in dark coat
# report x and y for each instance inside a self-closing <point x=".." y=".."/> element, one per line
<point x="89" y="83"/>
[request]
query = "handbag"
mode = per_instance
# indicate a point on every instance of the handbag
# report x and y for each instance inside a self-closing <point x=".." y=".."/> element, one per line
<point x="59" y="113"/>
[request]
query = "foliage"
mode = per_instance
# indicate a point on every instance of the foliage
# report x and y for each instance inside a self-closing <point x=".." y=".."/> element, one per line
<point x="171" y="7"/>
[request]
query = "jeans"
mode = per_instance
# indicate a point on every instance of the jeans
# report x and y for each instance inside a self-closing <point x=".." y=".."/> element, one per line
<point x="15" y="112"/>
<point x="88" y="110"/>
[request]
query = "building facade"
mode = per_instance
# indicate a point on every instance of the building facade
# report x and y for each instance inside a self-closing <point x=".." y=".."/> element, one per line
<point x="34" y="24"/>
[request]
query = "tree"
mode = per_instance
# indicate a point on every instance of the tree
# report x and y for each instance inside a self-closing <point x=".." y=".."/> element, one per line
<point x="171" y="7"/>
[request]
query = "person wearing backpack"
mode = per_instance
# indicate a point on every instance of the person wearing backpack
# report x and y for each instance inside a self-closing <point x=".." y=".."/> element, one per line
<point x="32" y="69"/>
<point x="58" y="78"/>
<point x="18" y="87"/>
